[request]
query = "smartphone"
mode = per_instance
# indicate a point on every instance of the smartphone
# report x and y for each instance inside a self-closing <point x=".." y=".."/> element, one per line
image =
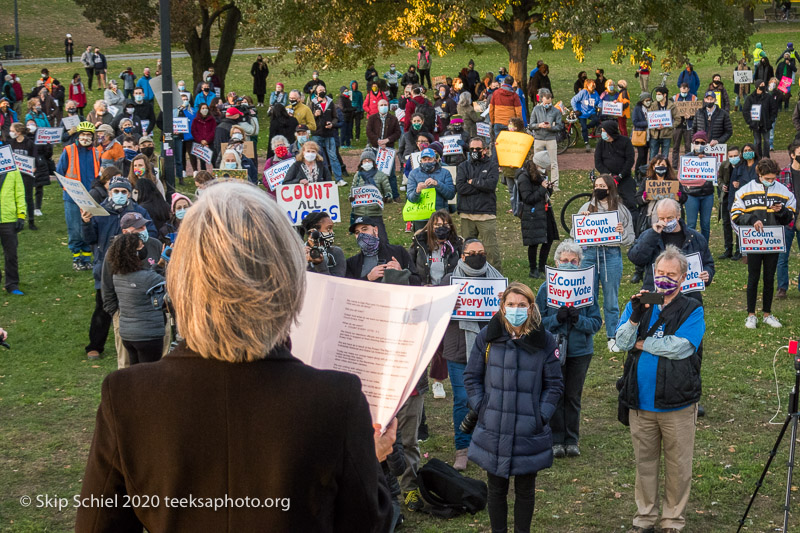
<point x="652" y="298"/>
<point x="383" y="262"/>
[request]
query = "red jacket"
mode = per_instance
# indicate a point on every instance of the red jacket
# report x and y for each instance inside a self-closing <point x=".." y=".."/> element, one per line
<point x="371" y="102"/>
<point x="203" y="130"/>
<point x="411" y="105"/>
<point x="78" y="94"/>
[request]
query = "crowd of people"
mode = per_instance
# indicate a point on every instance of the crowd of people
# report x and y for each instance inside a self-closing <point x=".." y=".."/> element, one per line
<point x="516" y="378"/>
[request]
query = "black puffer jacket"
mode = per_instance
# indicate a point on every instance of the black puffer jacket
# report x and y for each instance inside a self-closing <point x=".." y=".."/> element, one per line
<point x="538" y="221"/>
<point x="479" y="196"/>
<point x="719" y="128"/>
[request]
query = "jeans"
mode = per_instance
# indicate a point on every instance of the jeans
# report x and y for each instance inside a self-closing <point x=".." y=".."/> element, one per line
<point x="772" y="137"/>
<point x="497" y="128"/>
<point x="754" y="262"/>
<point x="783" y="260"/>
<point x="346" y="134"/>
<point x="9" y="242"/>
<point x="659" y="146"/>
<point x="587" y="123"/>
<point x="761" y="140"/>
<point x="460" y="406"/>
<point x="80" y="250"/>
<point x="524" y="500"/>
<point x="701" y="205"/>
<point x="567" y="417"/>
<point x="607" y="261"/>
<point x="329" y="145"/>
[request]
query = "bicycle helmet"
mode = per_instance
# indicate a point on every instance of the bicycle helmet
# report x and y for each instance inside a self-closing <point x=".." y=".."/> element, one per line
<point x="85" y="126"/>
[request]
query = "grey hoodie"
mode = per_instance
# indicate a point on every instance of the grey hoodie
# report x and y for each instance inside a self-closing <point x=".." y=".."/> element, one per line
<point x="551" y="115"/>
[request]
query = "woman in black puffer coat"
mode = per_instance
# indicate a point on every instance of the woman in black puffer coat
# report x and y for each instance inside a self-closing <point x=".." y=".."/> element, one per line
<point x="538" y="222"/>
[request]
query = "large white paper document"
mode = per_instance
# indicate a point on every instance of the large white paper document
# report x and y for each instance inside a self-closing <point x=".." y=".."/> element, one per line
<point x="385" y="334"/>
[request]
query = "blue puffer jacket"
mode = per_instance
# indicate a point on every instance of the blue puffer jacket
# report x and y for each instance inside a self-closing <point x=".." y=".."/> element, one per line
<point x="580" y="341"/>
<point x="585" y="103"/>
<point x="515" y="398"/>
<point x="445" y="188"/>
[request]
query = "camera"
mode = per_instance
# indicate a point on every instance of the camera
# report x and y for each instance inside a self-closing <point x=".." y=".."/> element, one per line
<point x="316" y="244"/>
<point x="469" y="422"/>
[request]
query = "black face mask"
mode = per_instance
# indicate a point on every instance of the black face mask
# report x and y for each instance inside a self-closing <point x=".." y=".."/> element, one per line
<point x="441" y="232"/>
<point x="709" y="105"/>
<point x="148" y="151"/>
<point x="321" y="95"/>
<point x="601" y="194"/>
<point x="476" y="155"/>
<point x="797" y="158"/>
<point x="476" y="261"/>
<point x="660" y="170"/>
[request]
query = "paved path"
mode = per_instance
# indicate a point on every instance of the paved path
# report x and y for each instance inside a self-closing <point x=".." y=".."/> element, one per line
<point x="121" y="57"/>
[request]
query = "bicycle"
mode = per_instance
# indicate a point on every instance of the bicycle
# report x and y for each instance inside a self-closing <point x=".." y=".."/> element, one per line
<point x="573" y="204"/>
<point x="664" y="76"/>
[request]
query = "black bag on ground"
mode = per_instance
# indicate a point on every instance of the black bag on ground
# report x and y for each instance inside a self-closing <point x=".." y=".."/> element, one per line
<point x="447" y="493"/>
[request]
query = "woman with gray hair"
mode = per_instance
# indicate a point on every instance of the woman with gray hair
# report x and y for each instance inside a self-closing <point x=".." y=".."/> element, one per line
<point x="574" y="328"/>
<point x="281" y="152"/>
<point x="230" y="417"/>
<point x="468" y="113"/>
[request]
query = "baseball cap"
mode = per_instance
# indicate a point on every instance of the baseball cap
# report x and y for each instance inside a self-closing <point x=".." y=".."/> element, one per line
<point x="362" y="220"/>
<point x="710" y="93"/>
<point x="233" y="112"/>
<point x="132" y="220"/>
<point x="428" y="152"/>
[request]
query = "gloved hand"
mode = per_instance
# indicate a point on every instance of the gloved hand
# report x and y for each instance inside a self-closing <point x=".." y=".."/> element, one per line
<point x="20" y="225"/>
<point x="638" y="310"/>
<point x="563" y="314"/>
<point x="573" y="314"/>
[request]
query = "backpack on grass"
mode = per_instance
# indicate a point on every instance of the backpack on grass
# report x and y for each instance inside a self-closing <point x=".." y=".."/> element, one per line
<point x="447" y="493"/>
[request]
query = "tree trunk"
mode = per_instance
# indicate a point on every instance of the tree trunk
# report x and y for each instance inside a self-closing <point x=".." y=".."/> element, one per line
<point x="517" y="46"/>
<point x="749" y="13"/>
<point x="227" y="43"/>
<point x="200" y="53"/>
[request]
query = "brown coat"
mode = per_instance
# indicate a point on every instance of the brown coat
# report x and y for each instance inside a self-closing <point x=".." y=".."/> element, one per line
<point x="391" y="130"/>
<point x="276" y="428"/>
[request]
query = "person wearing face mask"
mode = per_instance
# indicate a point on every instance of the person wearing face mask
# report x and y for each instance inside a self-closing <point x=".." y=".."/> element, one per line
<point x="759" y="112"/>
<point x="659" y="169"/>
<point x="309" y="166"/>
<point x="690" y="77"/>
<point x="742" y="174"/>
<point x="142" y="168"/>
<point x="100" y="68"/>
<point x="372" y="99"/>
<point x="236" y="148"/>
<point x="344" y="108"/>
<point x="310" y="87"/>
<point x="724" y="176"/>
<point x="183" y="91"/>
<point x="369" y="175"/>
<point x="700" y="192"/>
<point x="144" y="109"/>
<point x="376" y="257"/>
<point x="661" y="137"/>
<point x="111" y="151"/>
<point x="713" y="120"/>
<point x="128" y="82"/>
<point x="424" y="63"/>
<point x="77" y="93"/>
<point x="683" y="126"/>
<point x="392" y="77"/>
<point x="203" y="128"/>
<point x="659" y="391"/>
<point x="126" y="113"/>
<point x="70" y="135"/>
<point x="282" y="125"/>
<point x="87" y="60"/>
<point x="430" y="175"/>
<point x="578" y="326"/>
<point x="383" y="131"/>
<point x="512" y="436"/>
<point x="533" y="206"/>
<point x="13" y="193"/>
<point x="640" y="127"/>
<point x="7" y="118"/>
<point x="609" y="94"/>
<point x="177" y="210"/>
<point x="614" y="155"/>
<point x="546" y="124"/>
<point x="436" y="249"/>
<point x="762" y="68"/>
<point x="327" y="123"/>
<point x="445" y="106"/>
<point x="22" y="144"/>
<point x="790" y="178"/>
<point x="332" y="262"/>
<point x="205" y="95"/>
<point x="259" y="71"/>
<point x="279" y="146"/>
<point x="718" y="86"/>
<point x="585" y="104"/>
<point x="759" y="203"/>
<point x="223" y="132"/>
<point x="410" y="77"/>
<point x="100" y="232"/>
<point x="301" y="111"/>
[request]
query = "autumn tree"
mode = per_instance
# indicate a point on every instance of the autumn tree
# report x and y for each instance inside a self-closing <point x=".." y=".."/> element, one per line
<point x="191" y="24"/>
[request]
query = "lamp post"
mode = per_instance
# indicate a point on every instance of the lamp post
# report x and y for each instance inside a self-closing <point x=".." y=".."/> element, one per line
<point x="168" y="147"/>
<point x="16" y="31"/>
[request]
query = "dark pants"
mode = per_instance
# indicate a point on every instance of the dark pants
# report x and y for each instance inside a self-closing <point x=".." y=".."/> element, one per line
<point x="89" y="76"/>
<point x="128" y="93"/>
<point x="727" y="230"/>
<point x="357" y="123"/>
<point x="33" y="195"/>
<point x="641" y="156"/>
<point x="69" y="58"/>
<point x="524" y="499"/>
<point x="754" y="262"/>
<point x="425" y="74"/>
<point x="392" y="91"/>
<point x="8" y="239"/>
<point x="260" y="98"/>
<point x="543" y="253"/>
<point x="144" y="351"/>
<point x="99" y="326"/>
<point x="761" y="140"/>
<point x="566" y="420"/>
<point x="187" y="152"/>
<point x="346" y="134"/>
<point x="678" y="134"/>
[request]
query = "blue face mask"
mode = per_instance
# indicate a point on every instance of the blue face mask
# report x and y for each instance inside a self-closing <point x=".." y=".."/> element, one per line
<point x="568" y="266"/>
<point x="516" y="316"/>
<point x="428" y="167"/>
<point x="127" y="129"/>
<point x="605" y="136"/>
<point x="144" y="235"/>
<point x="734" y="160"/>
<point x="130" y="154"/>
<point x="748" y="155"/>
<point x="231" y="165"/>
<point x="180" y="213"/>
<point x="119" y="198"/>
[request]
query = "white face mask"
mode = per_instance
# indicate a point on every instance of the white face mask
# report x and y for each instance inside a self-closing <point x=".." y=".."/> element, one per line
<point x="84" y="141"/>
<point x="659" y="97"/>
<point x="204" y="112"/>
<point x="367" y="165"/>
<point x="310" y="156"/>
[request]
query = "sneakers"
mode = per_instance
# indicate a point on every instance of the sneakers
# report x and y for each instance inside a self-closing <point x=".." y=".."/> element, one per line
<point x="612" y="346"/>
<point x="573" y="450"/>
<point x="401" y="188"/>
<point x="37" y="212"/>
<point x="460" y="463"/>
<point x="341" y="183"/>
<point x="535" y="273"/>
<point x="781" y="295"/>
<point x="414" y="500"/>
<point x="558" y="451"/>
<point x="438" y="390"/>
<point x="15" y="292"/>
<point x="770" y="320"/>
<point x="93" y="355"/>
<point x="751" y="322"/>
<point x="76" y="266"/>
<point x="637" y="277"/>
<point x="422" y="433"/>
<point x="588" y="149"/>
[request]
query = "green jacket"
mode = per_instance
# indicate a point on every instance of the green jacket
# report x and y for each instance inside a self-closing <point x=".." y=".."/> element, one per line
<point x="382" y="181"/>
<point x="12" y="197"/>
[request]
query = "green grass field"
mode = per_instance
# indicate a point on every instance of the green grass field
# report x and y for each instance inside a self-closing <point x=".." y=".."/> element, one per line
<point x="49" y="392"/>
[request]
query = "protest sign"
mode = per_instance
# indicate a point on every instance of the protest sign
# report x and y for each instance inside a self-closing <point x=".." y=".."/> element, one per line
<point x="612" y="109"/>
<point x="573" y="288"/>
<point x="156" y="86"/>
<point x="785" y="85"/>
<point x="479" y="297"/>
<point x="384" y="160"/>
<point x="485" y="113"/>
<point x="25" y="164"/>
<point x="145" y="125"/>
<point x="249" y="149"/>
<point x="687" y="109"/>
<point x="399" y="114"/>
<point x="79" y="195"/>
<point x="180" y="125"/>
<point x="114" y="110"/>
<point x="512" y="148"/>
<point x="49" y="135"/>
<point x="7" y="161"/>
<point x="451" y="146"/>
<point x="771" y="239"/>
<point x="275" y="174"/>
<point x="658" y="189"/>
<point x="71" y="121"/>
<point x="596" y="228"/>
<point x="693" y="282"/>
<point x="742" y="76"/>
<point x="383" y="333"/>
<point x="695" y="170"/>
<point x="299" y="200"/>
<point x="218" y="92"/>
<point x="755" y="112"/>
<point x="659" y="119"/>
<point x="439" y="80"/>
<point x="235" y="173"/>
<point x="453" y="170"/>
<point x="415" y="157"/>
<point x="366" y="195"/>
<point x="719" y="151"/>
<point x="484" y="130"/>
<point x="423" y="209"/>
<point x="203" y="152"/>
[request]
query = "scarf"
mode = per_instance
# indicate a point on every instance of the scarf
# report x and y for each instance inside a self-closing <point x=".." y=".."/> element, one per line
<point x="471" y="328"/>
<point x="368" y="176"/>
<point x="311" y="175"/>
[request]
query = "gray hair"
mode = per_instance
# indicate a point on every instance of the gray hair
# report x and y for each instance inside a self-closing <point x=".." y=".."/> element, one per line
<point x="295" y="91"/>
<point x="278" y="140"/>
<point x="673" y="253"/>
<point x="544" y="92"/>
<point x="100" y="103"/>
<point x="568" y="246"/>
<point x="481" y="140"/>
<point x="465" y="99"/>
<point x="236" y="275"/>
<point x="676" y="207"/>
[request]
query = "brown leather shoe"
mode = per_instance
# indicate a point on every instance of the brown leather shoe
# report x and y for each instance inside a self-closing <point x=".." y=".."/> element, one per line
<point x="460" y="463"/>
<point x="781" y="295"/>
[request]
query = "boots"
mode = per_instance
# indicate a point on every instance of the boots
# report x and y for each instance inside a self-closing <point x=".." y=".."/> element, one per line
<point x="460" y="463"/>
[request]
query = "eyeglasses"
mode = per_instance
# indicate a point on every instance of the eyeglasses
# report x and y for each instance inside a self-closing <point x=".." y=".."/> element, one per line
<point x="473" y="254"/>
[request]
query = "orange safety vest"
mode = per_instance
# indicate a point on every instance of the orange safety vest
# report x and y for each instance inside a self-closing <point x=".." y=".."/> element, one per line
<point x="73" y="164"/>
